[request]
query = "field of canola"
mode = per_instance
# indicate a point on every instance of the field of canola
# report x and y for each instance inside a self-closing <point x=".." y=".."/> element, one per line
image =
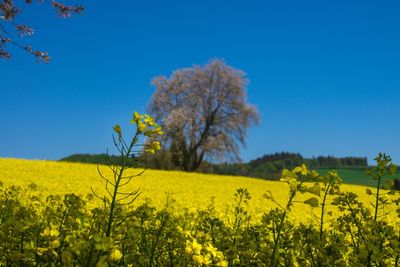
<point x="187" y="190"/>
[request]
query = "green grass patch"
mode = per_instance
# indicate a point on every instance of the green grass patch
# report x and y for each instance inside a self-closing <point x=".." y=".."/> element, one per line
<point x="357" y="176"/>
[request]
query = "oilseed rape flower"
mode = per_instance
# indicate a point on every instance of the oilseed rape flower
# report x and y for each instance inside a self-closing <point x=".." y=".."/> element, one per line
<point x="301" y="169"/>
<point x="222" y="263"/>
<point x="136" y="117"/>
<point x="149" y="120"/>
<point x="116" y="255"/>
<point x="117" y="129"/>
<point x="146" y="125"/>
<point x="153" y="147"/>
<point x="155" y="131"/>
<point x="141" y="126"/>
<point x="205" y="254"/>
<point x="193" y="247"/>
<point x="50" y="232"/>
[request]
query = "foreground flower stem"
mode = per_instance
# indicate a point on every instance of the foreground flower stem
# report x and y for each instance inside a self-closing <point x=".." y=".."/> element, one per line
<point x="113" y="204"/>
<point x="323" y="207"/>
<point x="282" y="220"/>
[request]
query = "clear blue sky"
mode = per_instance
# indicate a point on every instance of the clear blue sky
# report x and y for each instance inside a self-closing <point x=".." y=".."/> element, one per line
<point x="325" y="75"/>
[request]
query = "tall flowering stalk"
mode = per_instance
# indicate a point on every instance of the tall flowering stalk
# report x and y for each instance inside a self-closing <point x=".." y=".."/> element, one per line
<point x="295" y="180"/>
<point x="129" y="152"/>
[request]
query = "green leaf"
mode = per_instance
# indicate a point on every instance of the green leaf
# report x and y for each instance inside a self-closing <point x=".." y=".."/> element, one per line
<point x="315" y="189"/>
<point x="67" y="257"/>
<point x="331" y="191"/>
<point x="388" y="184"/>
<point x="368" y="191"/>
<point x="313" y="202"/>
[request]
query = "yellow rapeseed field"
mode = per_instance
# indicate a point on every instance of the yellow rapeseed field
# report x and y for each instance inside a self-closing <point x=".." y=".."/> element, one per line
<point x="188" y="190"/>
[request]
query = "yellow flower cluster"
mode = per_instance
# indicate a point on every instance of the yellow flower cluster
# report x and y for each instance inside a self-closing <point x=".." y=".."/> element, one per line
<point x="115" y="255"/>
<point x="205" y="255"/>
<point x="152" y="147"/>
<point x="52" y="233"/>
<point x="146" y="125"/>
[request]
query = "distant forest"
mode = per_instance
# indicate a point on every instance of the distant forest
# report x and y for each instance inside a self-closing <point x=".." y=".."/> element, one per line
<point x="267" y="167"/>
<point x="270" y="166"/>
